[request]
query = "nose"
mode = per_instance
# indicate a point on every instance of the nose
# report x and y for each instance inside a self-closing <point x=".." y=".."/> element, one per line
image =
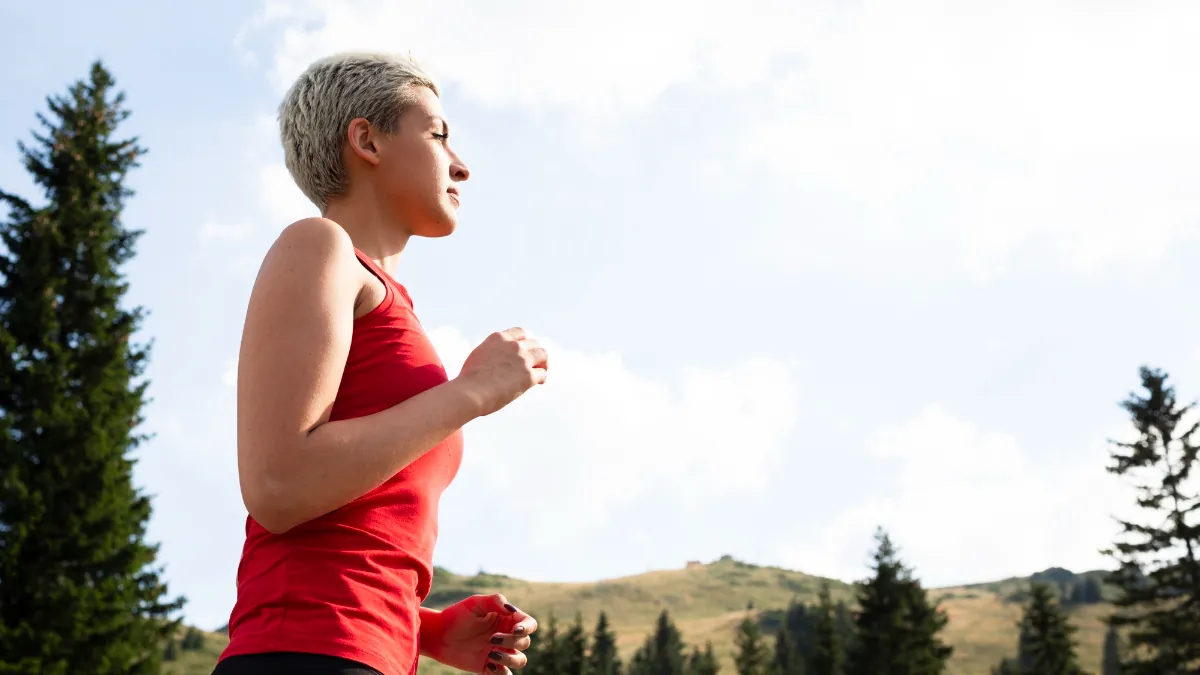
<point x="458" y="169"/>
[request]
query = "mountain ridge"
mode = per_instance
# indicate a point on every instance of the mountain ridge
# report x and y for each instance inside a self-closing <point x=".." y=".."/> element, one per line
<point x="708" y="600"/>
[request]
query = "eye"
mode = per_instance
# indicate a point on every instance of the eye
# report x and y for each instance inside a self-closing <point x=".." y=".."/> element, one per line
<point x="442" y="137"/>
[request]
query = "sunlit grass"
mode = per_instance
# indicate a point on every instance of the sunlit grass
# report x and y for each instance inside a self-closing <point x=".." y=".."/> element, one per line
<point x="708" y="601"/>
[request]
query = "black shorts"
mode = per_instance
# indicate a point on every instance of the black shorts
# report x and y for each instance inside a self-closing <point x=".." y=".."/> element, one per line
<point x="289" y="663"/>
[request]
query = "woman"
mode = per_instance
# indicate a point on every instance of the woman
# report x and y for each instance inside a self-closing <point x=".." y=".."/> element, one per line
<point x="348" y="427"/>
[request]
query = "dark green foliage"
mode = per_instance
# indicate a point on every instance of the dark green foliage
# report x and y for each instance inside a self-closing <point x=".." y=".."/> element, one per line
<point x="752" y="657"/>
<point x="640" y="663"/>
<point x="1159" y="558"/>
<point x="1112" y="653"/>
<point x="192" y="640"/>
<point x="78" y="590"/>
<point x="558" y="652"/>
<point x="844" y="620"/>
<point x="603" y="659"/>
<point x="1085" y="592"/>
<point x="692" y="663"/>
<point x="800" y="621"/>
<point x="896" y="626"/>
<point x="827" y="656"/>
<point x="544" y="656"/>
<point x="786" y="659"/>
<point x="662" y="653"/>
<point x="1048" y="645"/>
<point x="703" y="662"/>
<point x="1074" y="595"/>
<point x="573" y="645"/>
<point x="171" y="652"/>
<point x="1055" y="575"/>
<point x="1024" y="656"/>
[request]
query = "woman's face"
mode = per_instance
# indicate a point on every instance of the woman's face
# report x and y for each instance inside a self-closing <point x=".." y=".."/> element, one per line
<point x="418" y="174"/>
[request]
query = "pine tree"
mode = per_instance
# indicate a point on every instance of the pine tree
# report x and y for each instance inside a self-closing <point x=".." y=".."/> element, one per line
<point x="827" y="657"/>
<point x="786" y="660"/>
<point x="753" y="657"/>
<point x="1112" y="653"/>
<point x="668" y="647"/>
<point x="896" y="628"/>
<point x="703" y="663"/>
<point x="1075" y="596"/>
<point x="192" y="640"/>
<point x="1158" y="559"/>
<point x="171" y="652"/>
<point x="574" y="649"/>
<point x="845" y="626"/>
<point x="1049" y="646"/>
<point x="545" y="655"/>
<point x="662" y="652"/>
<point x="640" y="663"/>
<point x="692" y="663"/>
<point x="800" y="624"/>
<point x="1092" y="593"/>
<point x="603" y="659"/>
<point x="78" y="590"/>
<point x="1024" y="655"/>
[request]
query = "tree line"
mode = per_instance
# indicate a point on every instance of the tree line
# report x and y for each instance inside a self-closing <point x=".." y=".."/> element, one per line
<point x="895" y="629"/>
<point x="80" y="590"/>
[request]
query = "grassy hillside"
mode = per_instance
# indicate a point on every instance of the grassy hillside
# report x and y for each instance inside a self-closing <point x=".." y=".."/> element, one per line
<point x="708" y="601"/>
<point x="197" y="662"/>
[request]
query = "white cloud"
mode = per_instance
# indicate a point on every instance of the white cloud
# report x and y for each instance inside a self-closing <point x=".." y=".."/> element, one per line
<point x="598" y="435"/>
<point x="944" y="134"/>
<point x="968" y="505"/>
<point x="976" y="130"/>
<point x="602" y="58"/>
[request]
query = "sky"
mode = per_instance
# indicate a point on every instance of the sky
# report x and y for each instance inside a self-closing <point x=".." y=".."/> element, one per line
<point x="805" y="268"/>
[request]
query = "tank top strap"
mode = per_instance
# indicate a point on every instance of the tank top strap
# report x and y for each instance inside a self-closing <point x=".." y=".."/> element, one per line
<point x="390" y="286"/>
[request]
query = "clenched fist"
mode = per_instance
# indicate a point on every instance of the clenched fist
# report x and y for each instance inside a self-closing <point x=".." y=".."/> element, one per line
<point x="502" y="367"/>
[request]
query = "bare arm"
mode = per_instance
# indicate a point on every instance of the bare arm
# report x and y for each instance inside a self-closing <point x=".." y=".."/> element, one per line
<point x="294" y="464"/>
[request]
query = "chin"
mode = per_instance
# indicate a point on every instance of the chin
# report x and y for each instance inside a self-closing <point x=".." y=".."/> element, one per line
<point x="436" y="230"/>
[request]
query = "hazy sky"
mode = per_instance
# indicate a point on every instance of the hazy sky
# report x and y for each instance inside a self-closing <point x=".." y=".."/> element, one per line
<point x="805" y="269"/>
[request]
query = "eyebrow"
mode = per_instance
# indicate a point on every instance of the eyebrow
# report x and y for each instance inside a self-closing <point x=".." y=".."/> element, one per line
<point x="445" y="124"/>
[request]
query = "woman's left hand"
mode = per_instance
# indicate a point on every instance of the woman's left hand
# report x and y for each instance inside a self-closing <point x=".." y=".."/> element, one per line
<point x="481" y="634"/>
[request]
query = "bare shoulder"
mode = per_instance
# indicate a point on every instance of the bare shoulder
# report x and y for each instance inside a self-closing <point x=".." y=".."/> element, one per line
<point x="307" y="252"/>
<point x="312" y="238"/>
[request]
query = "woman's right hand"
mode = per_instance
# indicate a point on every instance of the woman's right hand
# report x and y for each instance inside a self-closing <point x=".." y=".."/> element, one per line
<point x="501" y="368"/>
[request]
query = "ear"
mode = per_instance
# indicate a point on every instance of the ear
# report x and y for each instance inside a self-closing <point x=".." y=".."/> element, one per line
<point x="361" y="137"/>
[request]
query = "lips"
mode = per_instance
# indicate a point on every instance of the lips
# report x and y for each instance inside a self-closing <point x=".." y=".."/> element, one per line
<point x="453" y="192"/>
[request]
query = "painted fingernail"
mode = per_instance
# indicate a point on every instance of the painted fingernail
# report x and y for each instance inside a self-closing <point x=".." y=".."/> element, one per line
<point x="497" y="640"/>
<point x="510" y="608"/>
<point x="519" y="630"/>
<point x="495" y="656"/>
<point x="491" y="666"/>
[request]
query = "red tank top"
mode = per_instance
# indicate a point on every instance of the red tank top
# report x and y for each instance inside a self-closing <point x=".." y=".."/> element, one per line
<point x="350" y="583"/>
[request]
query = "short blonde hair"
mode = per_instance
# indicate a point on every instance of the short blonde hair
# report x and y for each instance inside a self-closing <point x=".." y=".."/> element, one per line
<point x="319" y="106"/>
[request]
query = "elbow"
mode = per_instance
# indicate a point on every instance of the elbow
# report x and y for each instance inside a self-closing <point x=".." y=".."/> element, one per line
<point x="273" y="522"/>
<point x="269" y="508"/>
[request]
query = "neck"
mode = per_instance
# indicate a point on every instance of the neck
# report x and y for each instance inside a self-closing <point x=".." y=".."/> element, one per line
<point x="371" y="231"/>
